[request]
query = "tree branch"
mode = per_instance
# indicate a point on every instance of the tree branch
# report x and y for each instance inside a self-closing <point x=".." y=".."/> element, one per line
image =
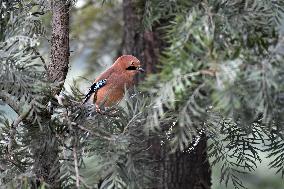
<point x="76" y="165"/>
<point x="58" y="68"/>
<point x="11" y="101"/>
<point x="91" y="132"/>
<point x="14" y="125"/>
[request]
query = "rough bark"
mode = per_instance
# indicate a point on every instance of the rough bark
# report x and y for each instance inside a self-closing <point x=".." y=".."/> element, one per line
<point x="44" y="146"/>
<point x="47" y="165"/>
<point x="144" y="45"/>
<point x="46" y="162"/>
<point x="186" y="170"/>
<point x="180" y="170"/>
<point x="58" y="68"/>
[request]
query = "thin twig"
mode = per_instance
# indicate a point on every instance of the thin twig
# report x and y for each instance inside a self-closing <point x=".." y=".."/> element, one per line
<point x="21" y="118"/>
<point x="93" y="133"/>
<point x="130" y="122"/>
<point x="41" y="58"/>
<point x="9" y="158"/>
<point x="14" y="125"/>
<point x="210" y="72"/>
<point x="75" y="143"/>
<point x="76" y="166"/>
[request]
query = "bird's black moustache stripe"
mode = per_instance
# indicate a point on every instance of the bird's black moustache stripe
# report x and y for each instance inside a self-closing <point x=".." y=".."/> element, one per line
<point x="131" y="68"/>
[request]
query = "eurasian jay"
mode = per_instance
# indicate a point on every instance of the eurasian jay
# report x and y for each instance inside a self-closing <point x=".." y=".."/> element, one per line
<point x="108" y="89"/>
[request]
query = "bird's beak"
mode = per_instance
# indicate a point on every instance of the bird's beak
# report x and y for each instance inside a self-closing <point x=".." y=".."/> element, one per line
<point x="140" y="69"/>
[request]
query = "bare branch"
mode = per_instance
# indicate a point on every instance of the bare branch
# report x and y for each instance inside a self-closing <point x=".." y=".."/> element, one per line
<point x="91" y="132"/>
<point x="41" y="58"/>
<point x="76" y="165"/>
<point x="14" y="125"/>
<point x="11" y="101"/>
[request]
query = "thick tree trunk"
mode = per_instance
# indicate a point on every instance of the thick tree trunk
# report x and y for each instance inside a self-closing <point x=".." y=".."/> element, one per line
<point x="144" y="45"/>
<point x="186" y="170"/>
<point x="46" y="165"/>
<point x="58" y="68"/>
<point x="181" y="170"/>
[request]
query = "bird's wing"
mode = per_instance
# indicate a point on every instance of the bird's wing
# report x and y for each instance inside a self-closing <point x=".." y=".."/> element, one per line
<point x="94" y="88"/>
<point x="106" y="74"/>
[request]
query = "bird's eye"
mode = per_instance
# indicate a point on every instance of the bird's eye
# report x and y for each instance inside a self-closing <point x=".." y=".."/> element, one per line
<point x="131" y="68"/>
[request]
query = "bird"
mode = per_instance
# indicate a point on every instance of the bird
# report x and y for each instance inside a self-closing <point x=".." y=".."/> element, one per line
<point x="109" y="87"/>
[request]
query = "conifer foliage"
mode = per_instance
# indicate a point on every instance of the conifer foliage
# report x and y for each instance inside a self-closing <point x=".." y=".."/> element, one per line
<point x="221" y="77"/>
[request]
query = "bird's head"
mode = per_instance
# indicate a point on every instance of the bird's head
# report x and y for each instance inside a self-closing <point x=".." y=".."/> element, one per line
<point x="129" y="63"/>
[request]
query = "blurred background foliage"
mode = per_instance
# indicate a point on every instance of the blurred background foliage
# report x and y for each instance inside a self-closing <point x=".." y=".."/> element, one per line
<point x="224" y="62"/>
<point x="96" y="36"/>
<point x="240" y="44"/>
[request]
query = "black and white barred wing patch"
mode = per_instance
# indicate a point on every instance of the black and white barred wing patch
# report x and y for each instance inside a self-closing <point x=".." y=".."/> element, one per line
<point x="94" y="88"/>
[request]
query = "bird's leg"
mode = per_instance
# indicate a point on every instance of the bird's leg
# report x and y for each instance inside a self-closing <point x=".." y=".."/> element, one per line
<point x="98" y="110"/>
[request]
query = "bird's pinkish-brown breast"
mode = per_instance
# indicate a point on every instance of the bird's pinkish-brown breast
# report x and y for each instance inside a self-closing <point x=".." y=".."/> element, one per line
<point x="114" y="90"/>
